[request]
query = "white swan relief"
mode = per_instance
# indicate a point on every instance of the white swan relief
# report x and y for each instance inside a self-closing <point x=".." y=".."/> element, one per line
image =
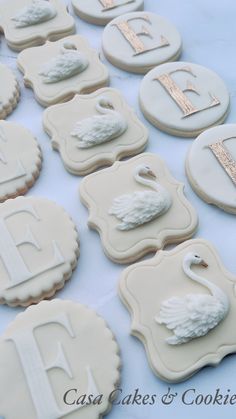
<point x="140" y="207"/>
<point x="38" y="11"/>
<point x="102" y="128"/>
<point x="194" y="315"/>
<point x="68" y="63"/>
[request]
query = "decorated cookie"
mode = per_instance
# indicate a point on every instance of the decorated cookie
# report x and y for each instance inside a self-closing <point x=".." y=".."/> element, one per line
<point x="38" y="250"/>
<point x="20" y="160"/>
<point x="58" y="359"/>
<point x="183" y="306"/>
<point x="94" y="130"/>
<point x="9" y="91"/>
<point x="137" y="207"/>
<point x="183" y="99"/>
<point x="211" y="166"/>
<point x="58" y="70"/>
<point x="139" y="41"/>
<point x="27" y="23"/>
<point x="101" y="12"/>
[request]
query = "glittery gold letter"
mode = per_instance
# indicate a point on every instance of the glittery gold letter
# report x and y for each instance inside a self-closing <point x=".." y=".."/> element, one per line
<point x="133" y="37"/>
<point x="178" y="95"/>
<point x="225" y="159"/>
<point x="111" y="4"/>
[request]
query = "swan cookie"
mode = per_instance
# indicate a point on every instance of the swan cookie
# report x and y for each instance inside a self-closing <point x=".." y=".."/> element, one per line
<point x="94" y="130"/>
<point x="183" y="99"/>
<point x="139" y="41"/>
<point x="20" y="160"/>
<point x="9" y="91"/>
<point x="38" y="249"/>
<point x="58" y="70"/>
<point x="211" y="166"/>
<point x="183" y="307"/>
<point x="137" y="207"/>
<point x="27" y="23"/>
<point x="63" y="360"/>
<point x="100" y="12"/>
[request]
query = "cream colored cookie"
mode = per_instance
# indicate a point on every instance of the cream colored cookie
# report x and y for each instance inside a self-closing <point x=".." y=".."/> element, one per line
<point x="211" y="166"/>
<point x="184" y="99"/>
<point x="38" y="250"/>
<point x="58" y="359"/>
<point x="137" y="207"/>
<point x="27" y="23"/>
<point x="183" y="307"/>
<point x="20" y="160"/>
<point x="94" y="130"/>
<point x="9" y="91"/>
<point x="58" y="70"/>
<point x="100" y="12"/>
<point x="139" y="41"/>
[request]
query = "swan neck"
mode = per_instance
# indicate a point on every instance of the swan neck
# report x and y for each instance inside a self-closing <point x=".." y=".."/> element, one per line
<point x="103" y="110"/>
<point x="146" y="182"/>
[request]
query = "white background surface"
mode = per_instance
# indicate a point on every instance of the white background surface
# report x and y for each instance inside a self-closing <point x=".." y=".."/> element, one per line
<point x="208" y="29"/>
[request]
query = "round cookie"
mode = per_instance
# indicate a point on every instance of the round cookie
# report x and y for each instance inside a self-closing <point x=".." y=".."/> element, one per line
<point x="58" y="359"/>
<point x="139" y="41"/>
<point x="9" y="91"/>
<point x="20" y="160"/>
<point x="211" y="166"/>
<point x="184" y="99"/>
<point x="100" y="12"/>
<point x="38" y="250"/>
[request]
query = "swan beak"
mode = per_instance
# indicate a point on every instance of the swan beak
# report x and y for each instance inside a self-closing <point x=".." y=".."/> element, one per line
<point x="151" y="174"/>
<point x="204" y="264"/>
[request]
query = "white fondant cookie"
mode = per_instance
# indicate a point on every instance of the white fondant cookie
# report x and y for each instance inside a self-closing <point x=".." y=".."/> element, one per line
<point x="58" y="360"/>
<point x="9" y="91"/>
<point x="20" y="160"/>
<point x="58" y="70"/>
<point x="100" y="12"/>
<point x="137" y="207"/>
<point x="94" y="130"/>
<point x="38" y="250"/>
<point x="183" y="99"/>
<point x="27" y="23"/>
<point x="211" y="166"/>
<point x="139" y="41"/>
<point x="183" y="306"/>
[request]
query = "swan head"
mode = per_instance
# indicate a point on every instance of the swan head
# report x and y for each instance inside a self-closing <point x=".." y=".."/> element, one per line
<point x="193" y="258"/>
<point x="105" y="103"/>
<point x="144" y="170"/>
<point x="68" y="46"/>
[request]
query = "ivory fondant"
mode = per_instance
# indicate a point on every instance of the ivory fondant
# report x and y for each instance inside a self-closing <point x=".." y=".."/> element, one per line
<point x="9" y="92"/>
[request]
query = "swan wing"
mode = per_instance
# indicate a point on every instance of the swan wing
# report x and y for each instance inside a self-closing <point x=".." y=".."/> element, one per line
<point x="63" y="67"/>
<point x="37" y="12"/>
<point x="190" y="317"/>
<point x="138" y="208"/>
<point x="98" y="129"/>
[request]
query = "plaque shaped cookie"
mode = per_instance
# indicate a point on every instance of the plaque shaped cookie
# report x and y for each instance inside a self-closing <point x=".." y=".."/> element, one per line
<point x="38" y="250"/>
<point x="139" y="41"/>
<point x="20" y="160"/>
<point x="9" y="91"/>
<point x="100" y="12"/>
<point x="211" y="166"/>
<point x="27" y="23"/>
<point x="137" y="207"/>
<point x="94" y="130"/>
<point x="184" y="99"/>
<point x="58" y="359"/>
<point x="183" y="306"/>
<point x="58" y="70"/>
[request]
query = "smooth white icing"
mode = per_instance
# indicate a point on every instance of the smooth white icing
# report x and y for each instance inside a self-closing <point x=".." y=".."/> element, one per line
<point x="99" y="129"/>
<point x="141" y="207"/>
<point x="194" y="315"/>
<point x="38" y="12"/>
<point x="68" y="63"/>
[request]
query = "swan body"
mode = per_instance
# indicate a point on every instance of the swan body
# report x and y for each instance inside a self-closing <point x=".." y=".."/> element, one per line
<point x="141" y="207"/>
<point x="102" y="128"/>
<point x="37" y="12"/>
<point x="68" y="63"/>
<point x="194" y="315"/>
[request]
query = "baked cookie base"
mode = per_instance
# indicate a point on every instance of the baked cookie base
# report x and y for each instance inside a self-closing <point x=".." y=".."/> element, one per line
<point x="13" y="101"/>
